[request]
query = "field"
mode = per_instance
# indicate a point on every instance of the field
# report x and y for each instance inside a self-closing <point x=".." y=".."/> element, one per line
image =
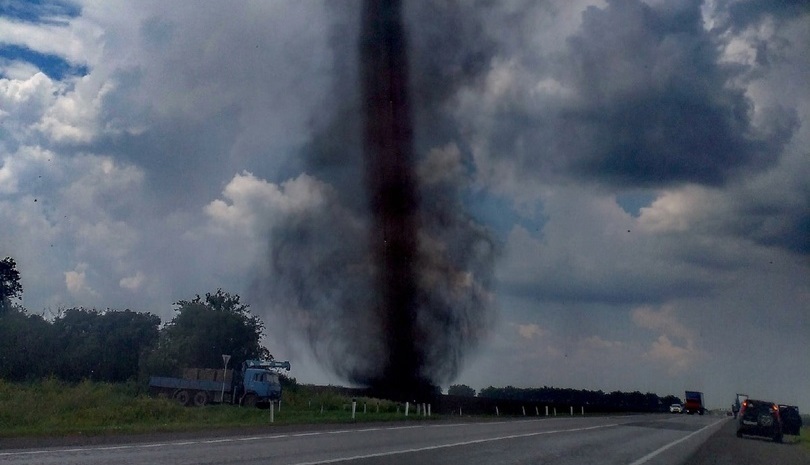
<point x="55" y="408"/>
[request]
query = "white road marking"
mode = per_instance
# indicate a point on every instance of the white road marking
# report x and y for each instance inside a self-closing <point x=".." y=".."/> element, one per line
<point x="654" y="453"/>
<point x="454" y="444"/>
<point x="259" y="438"/>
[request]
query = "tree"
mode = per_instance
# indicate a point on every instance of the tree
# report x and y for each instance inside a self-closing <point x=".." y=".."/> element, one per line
<point x="206" y="328"/>
<point x="26" y="345"/>
<point x="10" y="287"/>
<point x="461" y="390"/>
<point x="102" y="345"/>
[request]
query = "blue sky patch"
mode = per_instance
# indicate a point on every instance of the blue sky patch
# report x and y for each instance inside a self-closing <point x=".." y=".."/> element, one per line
<point x="499" y="214"/>
<point x="633" y="202"/>
<point x="38" y="11"/>
<point x="54" y="66"/>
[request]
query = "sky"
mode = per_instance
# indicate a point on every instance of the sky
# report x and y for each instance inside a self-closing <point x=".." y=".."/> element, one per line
<point x="617" y="189"/>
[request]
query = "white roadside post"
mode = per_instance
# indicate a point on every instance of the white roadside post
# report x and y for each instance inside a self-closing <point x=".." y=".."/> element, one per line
<point x="572" y="410"/>
<point x="536" y="411"/>
<point x="272" y="412"/>
<point x="583" y="410"/>
<point x="523" y="407"/>
<point x="546" y="410"/>
<point x="354" y="407"/>
<point x="225" y="360"/>
<point x="407" y="407"/>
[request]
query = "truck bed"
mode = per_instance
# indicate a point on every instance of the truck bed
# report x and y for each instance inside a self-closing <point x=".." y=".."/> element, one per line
<point x="190" y="384"/>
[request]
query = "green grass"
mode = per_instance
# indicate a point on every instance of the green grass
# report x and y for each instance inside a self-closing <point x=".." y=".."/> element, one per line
<point x="804" y="433"/>
<point x="55" y="408"/>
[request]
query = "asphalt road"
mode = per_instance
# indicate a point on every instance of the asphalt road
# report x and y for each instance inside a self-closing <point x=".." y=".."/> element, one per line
<point x="626" y="440"/>
<point x="725" y="448"/>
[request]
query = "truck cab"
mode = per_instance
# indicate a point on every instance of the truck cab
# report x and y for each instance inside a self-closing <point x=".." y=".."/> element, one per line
<point x="261" y="383"/>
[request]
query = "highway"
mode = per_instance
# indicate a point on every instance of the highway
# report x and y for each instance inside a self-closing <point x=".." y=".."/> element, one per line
<point x="626" y="440"/>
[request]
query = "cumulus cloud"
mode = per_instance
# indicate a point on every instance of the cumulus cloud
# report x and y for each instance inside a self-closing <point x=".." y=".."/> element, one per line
<point x="675" y="347"/>
<point x="133" y="283"/>
<point x="76" y="281"/>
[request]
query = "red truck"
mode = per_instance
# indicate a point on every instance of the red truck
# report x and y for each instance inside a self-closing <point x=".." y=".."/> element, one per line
<point x="694" y="403"/>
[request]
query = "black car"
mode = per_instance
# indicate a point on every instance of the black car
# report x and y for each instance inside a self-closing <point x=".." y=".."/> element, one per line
<point x="791" y="420"/>
<point x="760" y="418"/>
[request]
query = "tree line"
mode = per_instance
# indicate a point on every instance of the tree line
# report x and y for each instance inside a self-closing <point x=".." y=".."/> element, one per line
<point x="121" y="345"/>
<point x="595" y="400"/>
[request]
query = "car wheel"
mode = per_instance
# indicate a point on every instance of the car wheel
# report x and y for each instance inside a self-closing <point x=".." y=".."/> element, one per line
<point x="739" y="433"/>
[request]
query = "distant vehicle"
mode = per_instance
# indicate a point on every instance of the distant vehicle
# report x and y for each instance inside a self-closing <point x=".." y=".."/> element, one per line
<point x="791" y="419"/>
<point x="694" y="403"/>
<point x="255" y="385"/>
<point x="738" y="401"/>
<point x="676" y="408"/>
<point x="760" y="418"/>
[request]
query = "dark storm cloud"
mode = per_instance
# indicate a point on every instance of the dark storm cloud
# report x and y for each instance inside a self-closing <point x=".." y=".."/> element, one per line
<point x="658" y="108"/>
<point x="781" y="220"/>
<point x="652" y="105"/>
<point x="743" y="13"/>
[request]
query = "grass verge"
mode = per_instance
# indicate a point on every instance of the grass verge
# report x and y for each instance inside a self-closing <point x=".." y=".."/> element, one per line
<point x="55" y="408"/>
<point x="804" y="433"/>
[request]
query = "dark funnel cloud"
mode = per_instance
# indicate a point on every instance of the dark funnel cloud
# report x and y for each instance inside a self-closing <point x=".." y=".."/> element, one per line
<point x="391" y="187"/>
<point x="387" y="277"/>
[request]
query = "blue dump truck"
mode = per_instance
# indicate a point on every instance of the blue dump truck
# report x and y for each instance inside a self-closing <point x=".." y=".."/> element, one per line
<point x="255" y="385"/>
<point x="694" y="403"/>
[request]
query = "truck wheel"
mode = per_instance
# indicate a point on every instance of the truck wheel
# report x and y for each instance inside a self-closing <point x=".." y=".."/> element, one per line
<point x="200" y="398"/>
<point x="249" y="400"/>
<point x="182" y="397"/>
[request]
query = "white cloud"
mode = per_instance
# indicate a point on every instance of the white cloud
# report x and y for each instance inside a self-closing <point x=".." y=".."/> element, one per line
<point x="675" y="210"/>
<point x="250" y="204"/>
<point x="23" y="101"/>
<point x="132" y="283"/>
<point x="76" y="281"/>
<point x="678" y="355"/>
<point x="664" y="320"/>
<point x="75" y="39"/>
<point x="73" y="116"/>
<point x="530" y="331"/>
